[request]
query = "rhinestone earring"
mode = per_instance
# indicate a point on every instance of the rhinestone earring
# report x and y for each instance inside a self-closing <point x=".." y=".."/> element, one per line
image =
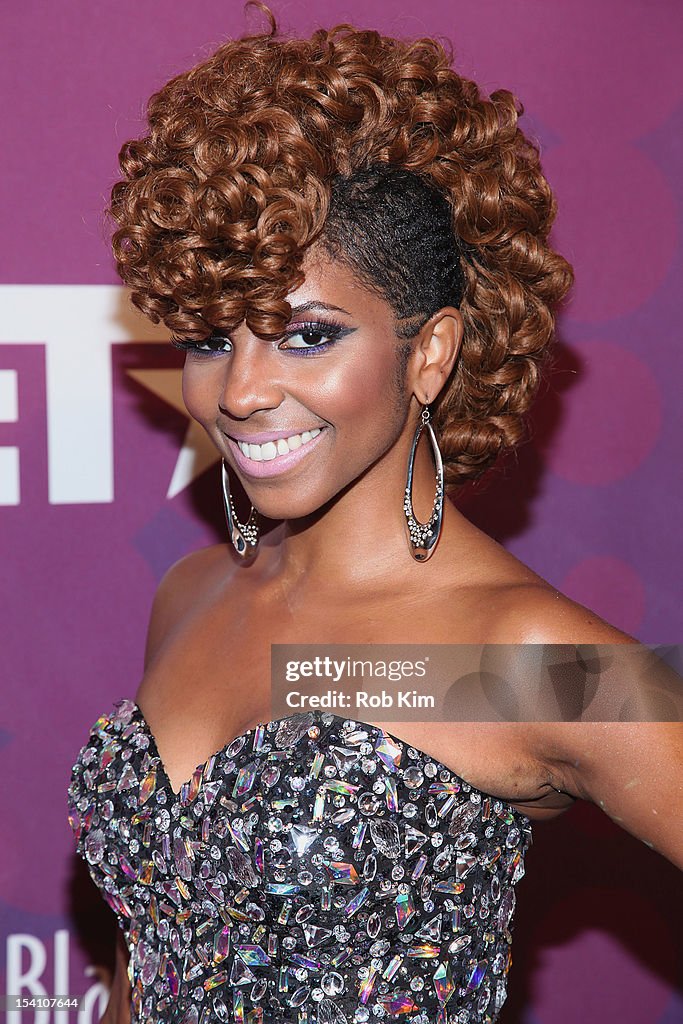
<point x="244" y="536"/>
<point x="422" y="537"/>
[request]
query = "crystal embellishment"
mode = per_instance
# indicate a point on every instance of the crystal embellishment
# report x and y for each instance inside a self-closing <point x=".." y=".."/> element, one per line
<point x="311" y="872"/>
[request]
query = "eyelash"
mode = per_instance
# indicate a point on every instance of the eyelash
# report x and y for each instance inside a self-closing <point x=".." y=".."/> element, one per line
<point x="331" y="330"/>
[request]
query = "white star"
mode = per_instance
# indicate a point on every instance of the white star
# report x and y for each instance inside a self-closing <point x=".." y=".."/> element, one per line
<point x="197" y="452"/>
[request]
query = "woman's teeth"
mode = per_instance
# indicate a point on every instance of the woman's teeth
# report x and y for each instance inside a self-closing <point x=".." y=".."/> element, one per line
<point x="271" y="449"/>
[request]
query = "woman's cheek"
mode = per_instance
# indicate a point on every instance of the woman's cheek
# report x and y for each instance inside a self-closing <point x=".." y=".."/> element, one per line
<point x="362" y="387"/>
<point x="198" y="392"/>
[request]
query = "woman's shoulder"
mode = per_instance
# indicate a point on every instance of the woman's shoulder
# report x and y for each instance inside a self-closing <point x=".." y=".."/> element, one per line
<point x="523" y="607"/>
<point x="185" y="585"/>
<point x="196" y="571"/>
<point x="537" y="613"/>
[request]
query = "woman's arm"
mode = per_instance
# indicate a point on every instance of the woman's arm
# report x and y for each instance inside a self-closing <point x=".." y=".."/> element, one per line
<point x="631" y="769"/>
<point x="118" y="1007"/>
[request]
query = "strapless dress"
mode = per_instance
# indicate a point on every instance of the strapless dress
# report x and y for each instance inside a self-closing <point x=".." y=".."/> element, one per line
<point x="316" y="870"/>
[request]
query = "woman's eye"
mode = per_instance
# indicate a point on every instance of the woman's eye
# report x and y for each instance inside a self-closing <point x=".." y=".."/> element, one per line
<point x="214" y="345"/>
<point x="308" y="338"/>
<point x="312" y="337"/>
<point x="209" y="346"/>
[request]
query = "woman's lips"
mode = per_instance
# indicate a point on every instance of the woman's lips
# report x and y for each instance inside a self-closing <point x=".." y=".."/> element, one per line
<point x="272" y="467"/>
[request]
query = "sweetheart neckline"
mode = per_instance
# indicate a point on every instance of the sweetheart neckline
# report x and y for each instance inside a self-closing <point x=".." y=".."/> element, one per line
<point x="286" y="718"/>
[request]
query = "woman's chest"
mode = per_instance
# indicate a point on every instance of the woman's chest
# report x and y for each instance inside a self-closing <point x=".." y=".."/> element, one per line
<point x="299" y="844"/>
<point x="212" y="682"/>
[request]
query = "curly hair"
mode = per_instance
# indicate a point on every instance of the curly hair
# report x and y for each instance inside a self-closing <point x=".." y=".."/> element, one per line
<point x="245" y="164"/>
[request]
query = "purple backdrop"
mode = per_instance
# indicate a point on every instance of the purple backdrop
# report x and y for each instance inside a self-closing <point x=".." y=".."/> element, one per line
<point x="104" y="483"/>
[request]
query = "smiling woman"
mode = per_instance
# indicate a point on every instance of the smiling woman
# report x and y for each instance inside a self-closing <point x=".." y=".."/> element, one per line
<point x="351" y="244"/>
<point x="338" y="385"/>
<point x="381" y="154"/>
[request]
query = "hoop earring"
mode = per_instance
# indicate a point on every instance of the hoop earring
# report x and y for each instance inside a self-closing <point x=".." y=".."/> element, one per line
<point x="422" y="537"/>
<point x="244" y="536"/>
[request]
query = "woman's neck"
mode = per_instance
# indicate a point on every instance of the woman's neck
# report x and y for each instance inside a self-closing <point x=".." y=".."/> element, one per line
<point x="360" y="536"/>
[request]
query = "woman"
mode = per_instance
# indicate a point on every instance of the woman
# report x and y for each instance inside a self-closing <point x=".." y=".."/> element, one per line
<point x="350" y="242"/>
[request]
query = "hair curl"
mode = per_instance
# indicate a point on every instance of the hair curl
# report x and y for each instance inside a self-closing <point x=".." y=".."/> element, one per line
<point x="234" y="181"/>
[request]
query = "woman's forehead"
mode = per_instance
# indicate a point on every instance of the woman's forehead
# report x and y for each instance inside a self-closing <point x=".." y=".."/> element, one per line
<point x="331" y="282"/>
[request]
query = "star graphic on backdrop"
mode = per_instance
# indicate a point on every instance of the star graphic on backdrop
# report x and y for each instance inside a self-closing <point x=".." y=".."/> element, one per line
<point x="197" y="452"/>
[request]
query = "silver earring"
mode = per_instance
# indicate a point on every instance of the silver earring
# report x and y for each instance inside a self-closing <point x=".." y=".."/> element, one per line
<point x="422" y="537"/>
<point x="244" y="536"/>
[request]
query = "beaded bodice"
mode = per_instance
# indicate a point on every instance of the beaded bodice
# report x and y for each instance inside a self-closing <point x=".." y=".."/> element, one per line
<point x="316" y="870"/>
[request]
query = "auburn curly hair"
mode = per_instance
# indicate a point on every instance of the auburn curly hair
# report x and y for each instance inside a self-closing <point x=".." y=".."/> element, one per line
<point x="246" y="159"/>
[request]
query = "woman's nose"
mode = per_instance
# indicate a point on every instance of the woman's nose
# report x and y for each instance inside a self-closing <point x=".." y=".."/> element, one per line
<point x="251" y="381"/>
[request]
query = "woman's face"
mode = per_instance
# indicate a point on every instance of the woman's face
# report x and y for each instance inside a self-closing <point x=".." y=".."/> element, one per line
<point x="301" y="417"/>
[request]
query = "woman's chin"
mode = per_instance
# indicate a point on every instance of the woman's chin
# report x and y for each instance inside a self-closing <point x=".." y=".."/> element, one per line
<point x="281" y="509"/>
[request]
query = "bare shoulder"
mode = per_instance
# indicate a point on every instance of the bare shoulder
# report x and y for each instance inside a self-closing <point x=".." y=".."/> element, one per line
<point x="537" y="613"/>
<point x="188" y="582"/>
<point x="631" y="769"/>
<point x="522" y="607"/>
<point x="532" y="612"/>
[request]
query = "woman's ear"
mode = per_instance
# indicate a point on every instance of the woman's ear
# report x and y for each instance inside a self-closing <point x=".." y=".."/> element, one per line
<point x="436" y="352"/>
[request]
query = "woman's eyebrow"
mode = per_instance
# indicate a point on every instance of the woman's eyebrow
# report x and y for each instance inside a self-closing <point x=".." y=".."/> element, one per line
<point x="305" y="307"/>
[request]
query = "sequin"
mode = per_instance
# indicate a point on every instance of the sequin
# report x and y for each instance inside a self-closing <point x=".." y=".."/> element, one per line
<point x="317" y="870"/>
